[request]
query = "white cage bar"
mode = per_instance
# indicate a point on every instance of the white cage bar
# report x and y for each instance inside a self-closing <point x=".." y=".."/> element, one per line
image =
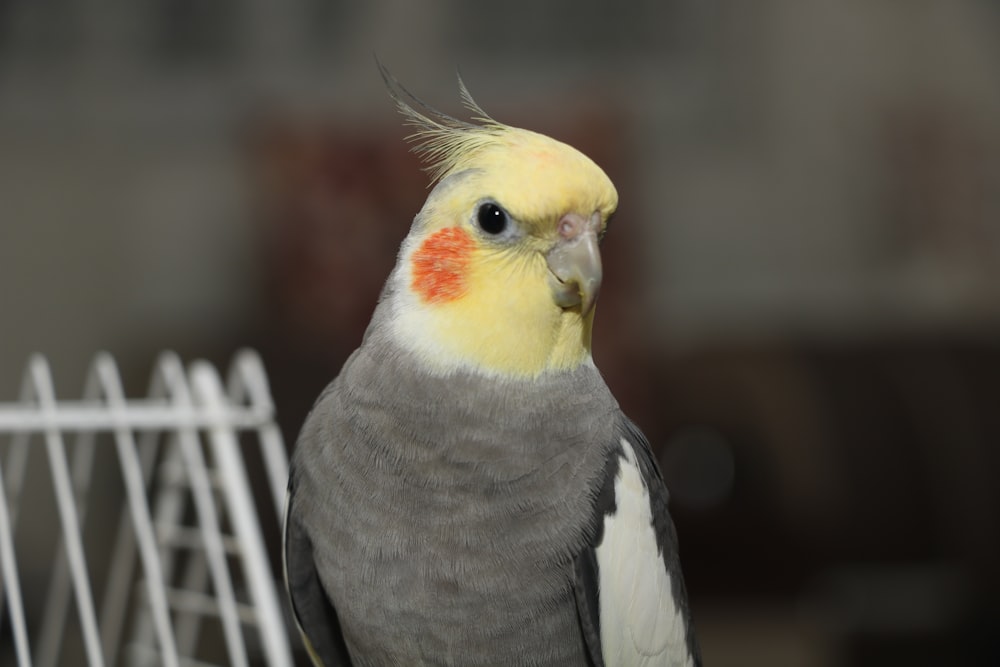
<point x="187" y="576"/>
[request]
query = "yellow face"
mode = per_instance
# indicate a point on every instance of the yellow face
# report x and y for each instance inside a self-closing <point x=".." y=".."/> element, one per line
<point x="476" y="287"/>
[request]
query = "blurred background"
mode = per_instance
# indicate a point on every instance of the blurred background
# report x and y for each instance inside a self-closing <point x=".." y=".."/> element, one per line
<point x="802" y="307"/>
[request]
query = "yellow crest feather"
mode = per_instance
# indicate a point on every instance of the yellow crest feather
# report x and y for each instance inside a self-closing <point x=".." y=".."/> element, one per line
<point x="445" y="143"/>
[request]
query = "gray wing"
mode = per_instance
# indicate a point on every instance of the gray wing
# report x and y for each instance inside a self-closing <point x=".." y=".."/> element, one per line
<point x="313" y="611"/>
<point x="588" y="564"/>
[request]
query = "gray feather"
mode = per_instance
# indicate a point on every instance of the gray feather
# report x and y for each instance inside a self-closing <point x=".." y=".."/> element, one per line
<point x="313" y="610"/>
<point x="445" y="513"/>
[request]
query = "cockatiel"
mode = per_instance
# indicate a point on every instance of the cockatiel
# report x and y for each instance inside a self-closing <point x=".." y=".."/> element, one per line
<point x="467" y="491"/>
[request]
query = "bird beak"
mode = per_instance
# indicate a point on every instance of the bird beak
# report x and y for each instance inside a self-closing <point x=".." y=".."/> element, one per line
<point x="575" y="263"/>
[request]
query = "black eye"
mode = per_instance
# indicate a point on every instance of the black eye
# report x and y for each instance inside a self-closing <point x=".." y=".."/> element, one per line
<point x="491" y="218"/>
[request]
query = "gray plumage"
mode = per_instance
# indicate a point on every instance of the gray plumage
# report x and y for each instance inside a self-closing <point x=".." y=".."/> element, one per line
<point x="445" y="512"/>
<point x="445" y="515"/>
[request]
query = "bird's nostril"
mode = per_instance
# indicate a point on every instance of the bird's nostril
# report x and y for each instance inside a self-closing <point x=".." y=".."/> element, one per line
<point x="572" y="225"/>
<point x="568" y="227"/>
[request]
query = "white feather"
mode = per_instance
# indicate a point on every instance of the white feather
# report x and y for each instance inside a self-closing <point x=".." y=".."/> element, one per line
<point x="640" y="625"/>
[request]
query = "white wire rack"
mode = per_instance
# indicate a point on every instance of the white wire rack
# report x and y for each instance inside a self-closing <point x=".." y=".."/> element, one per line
<point x="162" y="483"/>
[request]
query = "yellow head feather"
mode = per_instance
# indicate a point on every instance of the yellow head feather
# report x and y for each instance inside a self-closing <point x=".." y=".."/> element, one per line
<point x="503" y="319"/>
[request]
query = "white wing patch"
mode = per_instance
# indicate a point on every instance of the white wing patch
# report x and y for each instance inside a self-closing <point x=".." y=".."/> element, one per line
<point x="640" y="625"/>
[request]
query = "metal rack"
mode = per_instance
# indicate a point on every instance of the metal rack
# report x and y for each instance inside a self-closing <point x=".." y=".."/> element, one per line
<point x="187" y="579"/>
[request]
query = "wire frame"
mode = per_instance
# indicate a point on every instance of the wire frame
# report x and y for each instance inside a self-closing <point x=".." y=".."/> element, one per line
<point x="141" y="515"/>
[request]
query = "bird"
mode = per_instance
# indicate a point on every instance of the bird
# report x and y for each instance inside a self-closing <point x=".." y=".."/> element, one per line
<point x="467" y="490"/>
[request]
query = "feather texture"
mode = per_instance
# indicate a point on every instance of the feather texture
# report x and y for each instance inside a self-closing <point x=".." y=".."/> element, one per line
<point x="641" y="623"/>
<point x="446" y="143"/>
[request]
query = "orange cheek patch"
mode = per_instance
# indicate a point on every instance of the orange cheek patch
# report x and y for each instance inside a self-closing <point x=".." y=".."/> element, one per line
<point x="440" y="264"/>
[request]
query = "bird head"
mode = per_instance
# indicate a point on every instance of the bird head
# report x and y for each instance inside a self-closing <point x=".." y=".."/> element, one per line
<point x="501" y="268"/>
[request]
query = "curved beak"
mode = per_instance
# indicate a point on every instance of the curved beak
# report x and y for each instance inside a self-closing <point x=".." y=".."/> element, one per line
<point x="575" y="263"/>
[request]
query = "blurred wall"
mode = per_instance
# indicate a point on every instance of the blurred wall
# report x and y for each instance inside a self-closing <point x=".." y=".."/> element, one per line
<point x="803" y="301"/>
